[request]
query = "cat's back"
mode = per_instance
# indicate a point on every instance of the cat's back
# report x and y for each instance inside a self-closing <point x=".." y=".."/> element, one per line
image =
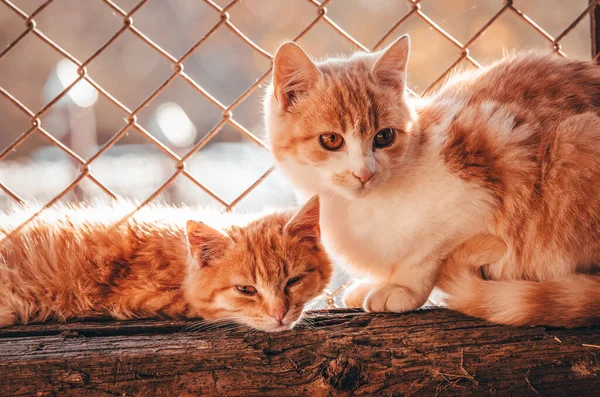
<point x="73" y="259"/>
<point x="66" y="240"/>
<point x="526" y="129"/>
<point x="75" y="243"/>
<point x="505" y="118"/>
<point x="81" y="226"/>
<point x="540" y="85"/>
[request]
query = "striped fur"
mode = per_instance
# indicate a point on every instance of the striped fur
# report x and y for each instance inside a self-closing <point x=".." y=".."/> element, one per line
<point x="570" y="301"/>
<point x="80" y="261"/>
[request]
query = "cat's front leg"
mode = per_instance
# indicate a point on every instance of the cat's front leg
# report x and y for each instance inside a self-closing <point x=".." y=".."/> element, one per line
<point x="355" y="294"/>
<point x="407" y="289"/>
<point x="396" y="298"/>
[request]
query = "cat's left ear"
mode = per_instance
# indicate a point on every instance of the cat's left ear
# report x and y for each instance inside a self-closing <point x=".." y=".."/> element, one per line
<point x="390" y="68"/>
<point x="205" y="243"/>
<point x="305" y="221"/>
<point x="293" y="74"/>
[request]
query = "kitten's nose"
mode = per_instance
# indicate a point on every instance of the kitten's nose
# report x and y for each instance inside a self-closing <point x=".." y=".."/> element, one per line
<point x="364" y="175"/>
<point x="279" y="314"/>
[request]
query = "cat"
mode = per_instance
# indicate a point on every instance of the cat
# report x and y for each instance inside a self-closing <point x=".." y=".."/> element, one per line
<point x="508" y="155"/>
<point x="81" y="261"/>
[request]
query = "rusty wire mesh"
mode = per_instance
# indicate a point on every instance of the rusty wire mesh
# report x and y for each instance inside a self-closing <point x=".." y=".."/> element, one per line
<point x="224" y="21"/>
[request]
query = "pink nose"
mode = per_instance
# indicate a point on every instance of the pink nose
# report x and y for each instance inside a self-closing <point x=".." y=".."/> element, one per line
<point x="279" y="314"/>
<point x="364" y="175"/>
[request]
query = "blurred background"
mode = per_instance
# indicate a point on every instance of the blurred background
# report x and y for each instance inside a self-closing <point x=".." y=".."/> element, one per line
<point x="225" y="66"/>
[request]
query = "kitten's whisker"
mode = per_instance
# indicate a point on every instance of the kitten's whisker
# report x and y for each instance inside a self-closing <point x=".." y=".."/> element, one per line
<point x="227" y="328"/>
<point x="225" y="323"/>
<point x="306" y="322"/>
<point x="312" y="303"/>
<point x="202" y="324"/>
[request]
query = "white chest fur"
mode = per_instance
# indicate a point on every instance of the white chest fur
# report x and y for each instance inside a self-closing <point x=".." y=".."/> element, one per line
<point x="404" y="225"/>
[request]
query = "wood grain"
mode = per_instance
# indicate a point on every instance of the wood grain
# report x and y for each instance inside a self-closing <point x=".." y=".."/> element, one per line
<point x="428" y="353"/>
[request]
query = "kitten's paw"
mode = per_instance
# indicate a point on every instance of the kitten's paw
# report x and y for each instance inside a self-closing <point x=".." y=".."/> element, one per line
<point x="355" y="294"/>
<point x="391" y="298"/>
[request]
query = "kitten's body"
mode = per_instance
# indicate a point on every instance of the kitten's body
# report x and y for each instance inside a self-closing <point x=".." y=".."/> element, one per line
<point x="512" y="150"/>
<point x="75" y="262"/>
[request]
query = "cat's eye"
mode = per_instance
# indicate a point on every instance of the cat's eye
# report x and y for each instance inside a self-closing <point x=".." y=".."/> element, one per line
<point x="332" y="141"/>
<point x="384" y="138"/>
<point x="292" y="281"/>
<point x="246" y="289"/>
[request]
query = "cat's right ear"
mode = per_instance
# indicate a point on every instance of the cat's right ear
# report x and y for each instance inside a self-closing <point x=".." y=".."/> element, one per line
<point x="390" y="68"/>
<point x="205" y="243"/>
<point x="304" y="223"/>
<point x="293" y="74"/>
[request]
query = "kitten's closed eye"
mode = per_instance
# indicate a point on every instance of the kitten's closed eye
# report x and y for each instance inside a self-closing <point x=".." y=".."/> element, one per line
<point x="246" y="289"/>
<point x="293" y="281"/>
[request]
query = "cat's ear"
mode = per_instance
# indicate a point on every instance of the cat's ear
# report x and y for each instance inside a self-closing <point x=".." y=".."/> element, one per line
<point x="390" y="68"/>
<point x="205" y="243"/>
<point x="305" y="221"/>
<point x="293" y="74"/>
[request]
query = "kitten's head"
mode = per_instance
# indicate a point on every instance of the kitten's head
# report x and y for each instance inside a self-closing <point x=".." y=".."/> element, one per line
<point x="341" y="126"/>
<point x="262" y="274"/>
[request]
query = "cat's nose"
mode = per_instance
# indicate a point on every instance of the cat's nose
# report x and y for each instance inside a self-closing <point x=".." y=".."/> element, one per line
<point x="364" y="175"/>
<point x="279" y="314"/>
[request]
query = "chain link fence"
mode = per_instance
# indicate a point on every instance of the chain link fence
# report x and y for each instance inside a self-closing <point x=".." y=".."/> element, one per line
<point x="415" y="12"/>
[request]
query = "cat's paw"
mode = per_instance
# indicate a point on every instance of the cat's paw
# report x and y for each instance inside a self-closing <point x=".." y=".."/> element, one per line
<point x="390" y="298"/>
<point x="355" y="294"/>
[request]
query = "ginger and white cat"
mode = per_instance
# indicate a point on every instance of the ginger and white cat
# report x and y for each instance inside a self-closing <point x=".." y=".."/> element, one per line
<point x="75" y="262"/>
<point x="505" y="159"/>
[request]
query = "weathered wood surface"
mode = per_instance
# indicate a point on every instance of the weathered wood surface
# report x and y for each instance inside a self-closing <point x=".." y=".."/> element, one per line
<point x="428" y="353"/>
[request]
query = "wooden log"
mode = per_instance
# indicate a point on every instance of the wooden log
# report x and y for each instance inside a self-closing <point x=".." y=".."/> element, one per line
<point x="428" y="353"/>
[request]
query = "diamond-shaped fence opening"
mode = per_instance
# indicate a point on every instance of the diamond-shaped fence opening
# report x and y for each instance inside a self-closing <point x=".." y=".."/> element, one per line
<point x="92" y="21"/>
<point x="128" y="62"/>
<point x="168" y="93"/>
<point x="193" y="19"/>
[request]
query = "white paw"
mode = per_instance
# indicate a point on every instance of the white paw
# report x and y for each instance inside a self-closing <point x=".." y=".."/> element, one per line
<point x="390" y="298"/>
<point x="355" y="295"/>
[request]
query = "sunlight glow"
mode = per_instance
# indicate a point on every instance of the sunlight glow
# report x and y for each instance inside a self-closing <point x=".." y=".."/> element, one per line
<point x="82" y="93"/>
<point x="175" y="124"/>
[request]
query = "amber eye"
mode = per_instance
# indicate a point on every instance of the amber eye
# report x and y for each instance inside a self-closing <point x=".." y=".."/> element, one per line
<point x="332" y="141"/>
<point x="292" y="281"/>
<point x="246" y="289"/>
<point x="384" y="138"/>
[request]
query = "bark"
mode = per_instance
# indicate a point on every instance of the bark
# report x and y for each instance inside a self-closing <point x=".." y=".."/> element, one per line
<point x="428" y="353"/>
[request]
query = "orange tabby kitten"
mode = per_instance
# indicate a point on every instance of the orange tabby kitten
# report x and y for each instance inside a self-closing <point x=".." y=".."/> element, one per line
<point x="512" y="150"/>
<point x="79" y="261"/>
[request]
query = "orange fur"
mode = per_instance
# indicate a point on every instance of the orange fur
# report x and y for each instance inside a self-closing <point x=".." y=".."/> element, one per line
<point x="570" y="301"/>
<point x="74" y="262"/>
<point x="512" y="150"/>
<point x="536" y="149"/>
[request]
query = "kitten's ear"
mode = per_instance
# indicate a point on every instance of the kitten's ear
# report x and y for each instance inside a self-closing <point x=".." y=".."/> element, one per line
<point x="390" y="68"/>
<point x="205" y="243"/>
<point x="305" y="221"/>
<point x="293" y="74"/>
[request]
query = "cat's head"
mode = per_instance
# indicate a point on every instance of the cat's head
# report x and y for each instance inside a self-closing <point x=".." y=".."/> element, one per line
<point x="341" y="126"/>
<point x="262" y="274"/>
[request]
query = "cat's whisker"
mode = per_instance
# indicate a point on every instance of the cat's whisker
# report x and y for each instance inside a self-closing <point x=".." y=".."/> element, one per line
<point x="227" y="328"/>
<point x="307" y="323"/>
<point x="313" y="303"/>
<point x="227" y="323"/>
<point x="202" y="325"/>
